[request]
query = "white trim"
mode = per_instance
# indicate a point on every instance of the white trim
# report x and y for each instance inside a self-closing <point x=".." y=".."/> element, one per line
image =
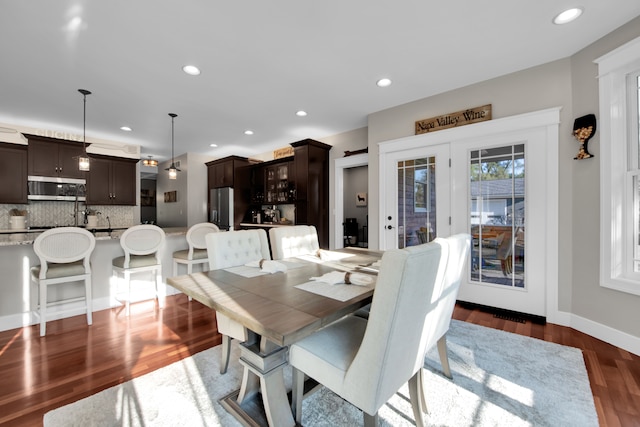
<point x="615" y="240"/>
<point x="605" y="333"/>
<point x="341" y="164"/>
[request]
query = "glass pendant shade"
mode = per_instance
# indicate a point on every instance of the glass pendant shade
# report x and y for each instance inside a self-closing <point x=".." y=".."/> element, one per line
<point x="83" y="163"/>
<point x="173" y="172"/>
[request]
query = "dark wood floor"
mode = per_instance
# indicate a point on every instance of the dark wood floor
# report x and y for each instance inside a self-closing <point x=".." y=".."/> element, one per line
<point x="74" y="361"/>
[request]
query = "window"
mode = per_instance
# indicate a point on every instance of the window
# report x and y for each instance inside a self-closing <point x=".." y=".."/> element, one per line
<point x="619" y="87"/>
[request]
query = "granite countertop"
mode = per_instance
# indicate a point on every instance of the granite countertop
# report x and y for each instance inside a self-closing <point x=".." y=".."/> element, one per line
<point x="16" y="237"/>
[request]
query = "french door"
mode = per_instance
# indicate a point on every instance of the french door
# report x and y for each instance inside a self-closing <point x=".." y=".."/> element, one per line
<point x="418" y="209"/>
<point x="497" y="187"/>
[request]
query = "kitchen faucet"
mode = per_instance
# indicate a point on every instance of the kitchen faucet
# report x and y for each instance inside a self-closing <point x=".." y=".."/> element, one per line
<point x="76" y="207"/>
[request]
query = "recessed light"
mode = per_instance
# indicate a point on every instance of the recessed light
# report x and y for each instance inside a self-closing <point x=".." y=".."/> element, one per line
<point x="301" y="113"/>
<point x="213" y="145"/>
<point x="248" y="132"/>
<point x="383" y="82"/>
<point x="126" y="128"/>
<point x="567" y="16"/>
<point x="192" y="70"/>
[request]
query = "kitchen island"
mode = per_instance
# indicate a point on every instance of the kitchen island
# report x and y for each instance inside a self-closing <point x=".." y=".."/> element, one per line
<point x="18" y="304"/>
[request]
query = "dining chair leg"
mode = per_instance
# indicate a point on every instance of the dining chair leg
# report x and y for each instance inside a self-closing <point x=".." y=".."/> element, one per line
<point x="226" y="353"/>
<point x="422" y="389"/>
<point x="175" y="268"/>
<point x="127" y="303"/>
<point x="297" y="390"/>
<point x="444" y="358"/>
<point x="88" y="300"/>
<point x="189" y="271"/>
<point x="415" y="389"/>
<point x="43" y="309"/>
<point x="371" y="420"/>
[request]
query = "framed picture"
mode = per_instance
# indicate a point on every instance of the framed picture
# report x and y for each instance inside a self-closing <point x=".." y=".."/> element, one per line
<point x="361" y="199"/>
<point x="170" y="196"/>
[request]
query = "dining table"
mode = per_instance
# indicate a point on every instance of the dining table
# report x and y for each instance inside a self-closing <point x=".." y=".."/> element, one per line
<point x="279" y="309"/>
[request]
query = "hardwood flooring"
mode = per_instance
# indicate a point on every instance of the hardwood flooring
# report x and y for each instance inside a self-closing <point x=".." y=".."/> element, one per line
<point x="74" y="361"/>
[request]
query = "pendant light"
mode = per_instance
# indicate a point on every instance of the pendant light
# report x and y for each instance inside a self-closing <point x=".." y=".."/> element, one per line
<point x="83" y="160"/>
<point x="173" y="170"/>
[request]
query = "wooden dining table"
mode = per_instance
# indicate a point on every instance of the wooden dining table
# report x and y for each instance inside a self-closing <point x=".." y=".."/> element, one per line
<point x="277" y="313"/>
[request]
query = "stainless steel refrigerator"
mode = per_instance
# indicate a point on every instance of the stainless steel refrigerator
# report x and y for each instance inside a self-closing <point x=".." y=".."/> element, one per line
<point x="221" y="214"/>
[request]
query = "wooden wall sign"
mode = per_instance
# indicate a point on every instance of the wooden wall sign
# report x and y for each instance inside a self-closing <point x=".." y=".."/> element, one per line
<point x="282" y="152"/>
<point x="459" y="118"/>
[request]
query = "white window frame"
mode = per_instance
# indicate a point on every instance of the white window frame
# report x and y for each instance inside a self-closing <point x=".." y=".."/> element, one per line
<point x="617" y="166"/>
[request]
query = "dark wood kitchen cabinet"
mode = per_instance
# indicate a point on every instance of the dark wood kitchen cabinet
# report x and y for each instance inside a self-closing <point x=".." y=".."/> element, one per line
<point x="222" y="172"/>
<point x="54" y="157"/>
<point x="311" y="177"/>
<point x="13" y="173"/>
<point x="111" y="181"/>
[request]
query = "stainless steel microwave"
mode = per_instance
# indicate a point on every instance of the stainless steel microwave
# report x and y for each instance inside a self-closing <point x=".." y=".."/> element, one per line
<point x="56" y="188"/>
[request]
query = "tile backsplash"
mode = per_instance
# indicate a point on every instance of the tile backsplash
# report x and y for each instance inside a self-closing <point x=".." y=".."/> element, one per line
<point x="51" y="213"/>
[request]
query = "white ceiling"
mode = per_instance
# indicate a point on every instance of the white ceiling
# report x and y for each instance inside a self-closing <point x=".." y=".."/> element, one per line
<point x="262" y="61"/>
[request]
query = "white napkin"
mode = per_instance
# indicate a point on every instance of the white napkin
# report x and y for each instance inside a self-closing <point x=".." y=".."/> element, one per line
<point x="268" y="266"/>
<point x="337" y="277"/>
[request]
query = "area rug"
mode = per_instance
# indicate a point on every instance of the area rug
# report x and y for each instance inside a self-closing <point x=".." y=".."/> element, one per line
<point x="499" y="379"/>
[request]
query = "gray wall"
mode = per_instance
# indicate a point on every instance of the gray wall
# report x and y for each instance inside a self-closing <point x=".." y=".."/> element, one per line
<point x="571" y="84"/>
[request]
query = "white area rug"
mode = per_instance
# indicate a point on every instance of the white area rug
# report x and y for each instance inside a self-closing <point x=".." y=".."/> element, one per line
<point x="499" y="379"/>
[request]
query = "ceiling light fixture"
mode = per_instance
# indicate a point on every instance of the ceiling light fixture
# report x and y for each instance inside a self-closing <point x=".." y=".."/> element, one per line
<point x="83" y="160"/>
<point x="150" y="162"/>
<point x="192" y="70"/>
<point x="567" y="16"/>
<point x="213" y="145"/>
<point x="383" y="82"/>
<point x="126" y="128"/>
<point x="248" y="132"/>
<point x="301" y="113"/>
<point x="173" y="170"/>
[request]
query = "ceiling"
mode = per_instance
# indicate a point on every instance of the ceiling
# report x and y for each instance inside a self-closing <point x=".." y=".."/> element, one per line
<point x="263" y="61"/>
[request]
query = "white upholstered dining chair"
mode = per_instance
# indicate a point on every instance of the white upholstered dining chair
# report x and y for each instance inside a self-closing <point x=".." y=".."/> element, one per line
<point x="232" y="249"/>
<point x="64" y="255"/>
<point x="365" y="361"/>
<point x="142" y="245"/>
<point x="197" y="251"/>
<point x="292" y="241"/>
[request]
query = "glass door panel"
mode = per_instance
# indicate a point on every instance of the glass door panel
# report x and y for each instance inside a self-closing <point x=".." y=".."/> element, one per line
<point x="416" y="201"/>
<point x="497" y="221"/>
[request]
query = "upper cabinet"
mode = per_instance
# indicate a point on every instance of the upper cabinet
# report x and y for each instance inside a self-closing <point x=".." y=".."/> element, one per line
<point x="279" y="182"/>
<point x="221" y="172"/>
<point x="233" y="172"/>
<point x="13" y="173"/>
<point x="53" y="157"/>
<point x="111" y="181"/>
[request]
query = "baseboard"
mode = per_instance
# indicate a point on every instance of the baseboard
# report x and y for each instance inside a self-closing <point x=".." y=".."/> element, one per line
<point x="607" y="334"/>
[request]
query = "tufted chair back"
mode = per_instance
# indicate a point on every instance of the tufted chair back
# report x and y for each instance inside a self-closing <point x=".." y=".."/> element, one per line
<point x="234" y="248"/>
<point x="292" y="241"/>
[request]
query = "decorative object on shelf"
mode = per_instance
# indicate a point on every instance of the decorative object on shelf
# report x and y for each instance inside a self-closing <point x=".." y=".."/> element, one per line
<point x="83" y="160"/>
<point x="150" y="162"/>
<point x="361" y="199"/>
<point x="17" y="219"/>
<point x="173" y="170"/>
<point x="282" y="152"/>
<point x="583" y="129"/>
